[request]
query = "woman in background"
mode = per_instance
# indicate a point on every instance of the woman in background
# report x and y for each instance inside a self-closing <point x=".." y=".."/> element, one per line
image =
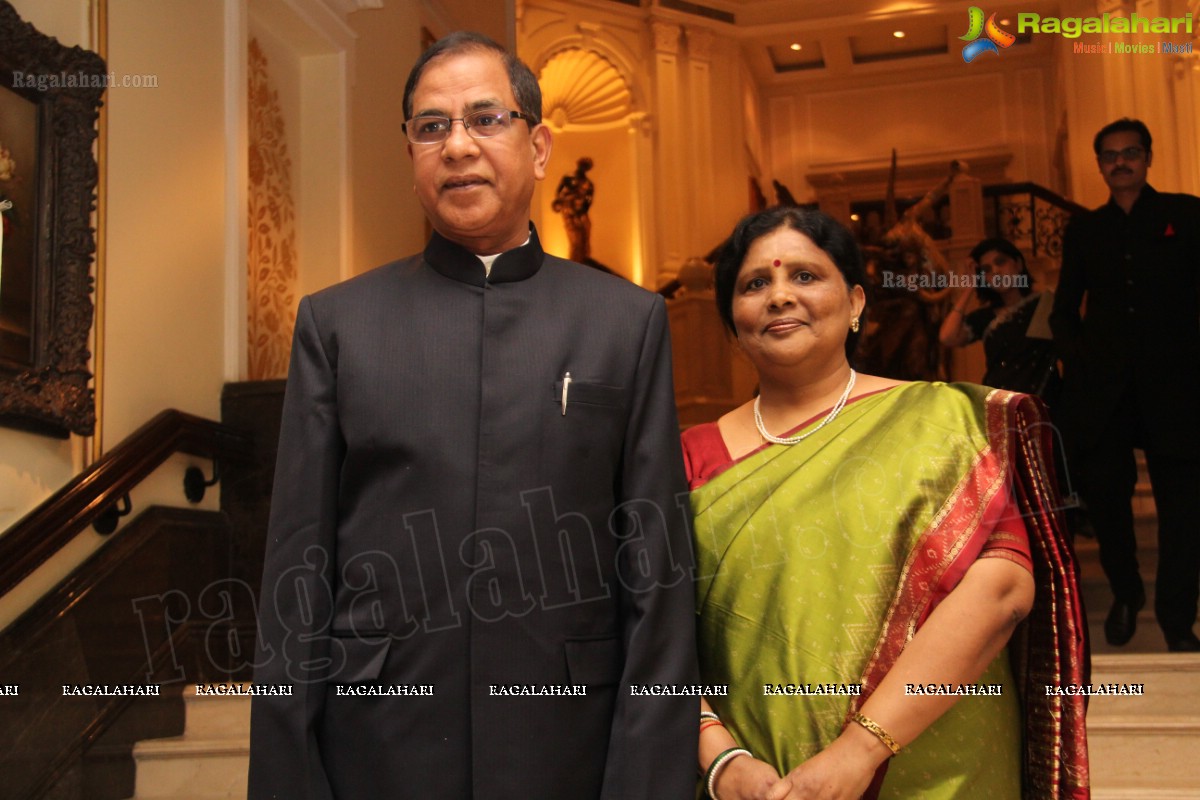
<point x="881" y="542"/>
<point x="1012" y="321"/>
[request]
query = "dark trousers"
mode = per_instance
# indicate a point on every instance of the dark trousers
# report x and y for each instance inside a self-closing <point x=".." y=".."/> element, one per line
<point x="1107" y="473"/>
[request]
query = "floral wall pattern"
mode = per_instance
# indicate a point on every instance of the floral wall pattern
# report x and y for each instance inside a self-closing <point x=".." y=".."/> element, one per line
<point x="272" y="243"/>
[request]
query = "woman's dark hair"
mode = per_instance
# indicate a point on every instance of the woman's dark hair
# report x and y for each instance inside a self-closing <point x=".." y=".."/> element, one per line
<point x="824" y="231"/>
<point x="524" y="83"/>
<point x="983" y="290"/>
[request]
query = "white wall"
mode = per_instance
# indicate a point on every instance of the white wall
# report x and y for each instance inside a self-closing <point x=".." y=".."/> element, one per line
<point x="388" y="220"/>
<point x="927" y="115"/>
<point x="166" y="207"/>
<point x="65" y="20"/>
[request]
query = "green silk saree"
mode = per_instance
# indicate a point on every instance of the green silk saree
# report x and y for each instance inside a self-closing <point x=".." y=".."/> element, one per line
<point x="817" y="562"/>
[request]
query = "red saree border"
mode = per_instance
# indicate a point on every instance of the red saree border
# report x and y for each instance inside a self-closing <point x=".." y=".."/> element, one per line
<point x="956" y="533"/>
<point x="1049" y="647"/>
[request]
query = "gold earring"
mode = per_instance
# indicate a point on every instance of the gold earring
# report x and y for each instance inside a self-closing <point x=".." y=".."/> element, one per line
<point x="854" y="324"/>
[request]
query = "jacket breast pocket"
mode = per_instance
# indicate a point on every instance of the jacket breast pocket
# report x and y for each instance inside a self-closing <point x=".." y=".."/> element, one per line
<point x="588" y="394"/>
<point x="585" y="422"/>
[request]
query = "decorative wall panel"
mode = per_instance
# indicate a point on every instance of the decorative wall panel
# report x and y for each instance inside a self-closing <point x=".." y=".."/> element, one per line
<point x="271" y="278"/>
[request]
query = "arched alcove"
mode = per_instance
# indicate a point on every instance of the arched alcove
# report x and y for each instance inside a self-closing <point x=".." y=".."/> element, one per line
<point x="582" y="89"/>
<point x="590" y="107"/>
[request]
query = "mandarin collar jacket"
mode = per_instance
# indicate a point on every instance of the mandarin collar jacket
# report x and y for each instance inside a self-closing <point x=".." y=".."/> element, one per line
<point x="451" y="512"/>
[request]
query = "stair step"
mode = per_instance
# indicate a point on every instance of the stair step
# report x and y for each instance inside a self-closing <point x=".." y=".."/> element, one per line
<point x="198" y="769"/>
<point x="210" y="761"/>
<point x="1143" y="748"/>
<point x="1171" y="684"/>
<point x="187" y="746"/>
<point x="1144" y="753"/>
<point x="1142" y="725"/>
<point x="215" y="716"/>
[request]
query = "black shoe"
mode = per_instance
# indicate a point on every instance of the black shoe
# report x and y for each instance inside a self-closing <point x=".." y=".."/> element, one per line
<point x="1184" y="643"/>
<point x="1122" y="621"/>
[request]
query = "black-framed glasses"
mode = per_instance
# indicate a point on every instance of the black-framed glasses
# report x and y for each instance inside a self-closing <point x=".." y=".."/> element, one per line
<point x="430" y="129"/>
<point x="1127" y="154"/>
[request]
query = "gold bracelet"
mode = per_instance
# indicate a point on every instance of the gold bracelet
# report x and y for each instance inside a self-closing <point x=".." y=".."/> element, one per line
<point x="879" y="733"/>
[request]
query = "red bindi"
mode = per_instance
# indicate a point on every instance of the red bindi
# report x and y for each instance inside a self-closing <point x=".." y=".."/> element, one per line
<point x="778" y="262"/>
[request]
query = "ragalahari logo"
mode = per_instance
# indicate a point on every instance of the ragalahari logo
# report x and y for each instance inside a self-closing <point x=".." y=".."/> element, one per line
<point x="996" y="37"/>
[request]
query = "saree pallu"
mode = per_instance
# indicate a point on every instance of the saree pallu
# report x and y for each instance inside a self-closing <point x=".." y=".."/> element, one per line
<point x="817" y="563"/>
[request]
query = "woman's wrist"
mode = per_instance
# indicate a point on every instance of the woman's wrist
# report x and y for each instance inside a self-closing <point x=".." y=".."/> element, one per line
<point x="877" y="730"/>
<point x="719" y="767"/>
<point x="865" y="745"/>
<point x="736" y="777"/>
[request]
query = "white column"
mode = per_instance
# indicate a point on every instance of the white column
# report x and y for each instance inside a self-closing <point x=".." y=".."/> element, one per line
<point x="670" y="148"/>
<point x="641" y="147"/>
<point x="700" y="187"/>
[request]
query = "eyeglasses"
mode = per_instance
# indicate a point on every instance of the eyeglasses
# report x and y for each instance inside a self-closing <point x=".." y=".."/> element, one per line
<point x="428" y="129"/>
<point x="1128" y="154"/>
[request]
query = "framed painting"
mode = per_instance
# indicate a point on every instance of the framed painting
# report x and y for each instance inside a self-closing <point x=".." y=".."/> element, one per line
<point x="49" y="102"/>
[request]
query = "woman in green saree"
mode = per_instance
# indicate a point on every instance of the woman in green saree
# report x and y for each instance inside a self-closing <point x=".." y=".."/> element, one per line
<point x="882" y="580"/>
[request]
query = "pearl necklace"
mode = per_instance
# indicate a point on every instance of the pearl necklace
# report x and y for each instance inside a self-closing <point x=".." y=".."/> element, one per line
<point x="762" y="429"/>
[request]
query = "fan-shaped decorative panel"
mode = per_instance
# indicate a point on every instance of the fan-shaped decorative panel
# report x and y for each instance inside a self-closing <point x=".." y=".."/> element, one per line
<point x="580" y="87"/>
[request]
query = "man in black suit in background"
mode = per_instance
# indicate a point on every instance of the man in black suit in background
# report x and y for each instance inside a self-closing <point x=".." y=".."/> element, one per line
<point x="1132" y="378"/>
<point x="475" y="504"/>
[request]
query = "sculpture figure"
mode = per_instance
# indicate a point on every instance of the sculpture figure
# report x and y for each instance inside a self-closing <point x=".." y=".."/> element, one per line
<point x="573" y="199"/>
<point x="910" y="291"/>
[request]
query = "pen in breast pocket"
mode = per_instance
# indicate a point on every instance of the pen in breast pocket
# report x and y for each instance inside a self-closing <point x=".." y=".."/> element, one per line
<point x="565" y="389"/>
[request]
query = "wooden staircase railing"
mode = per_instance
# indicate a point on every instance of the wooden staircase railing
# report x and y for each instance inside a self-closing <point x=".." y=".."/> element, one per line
<point x="33" y="539"/>
<point x="116" y="619"/>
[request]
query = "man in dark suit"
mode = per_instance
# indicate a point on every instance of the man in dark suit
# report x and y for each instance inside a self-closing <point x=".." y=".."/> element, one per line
<point x="476" y="546"/>
<point x="1132" y="378"/>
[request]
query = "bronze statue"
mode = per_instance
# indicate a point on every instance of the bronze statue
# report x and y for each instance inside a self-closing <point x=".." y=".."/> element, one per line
<point x="572" y="200"/>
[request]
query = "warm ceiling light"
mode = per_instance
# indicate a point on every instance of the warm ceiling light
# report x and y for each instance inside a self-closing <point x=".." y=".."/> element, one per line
<point x="898" y="34"/>
<point x="854" y="217"/>
<point x="795" y="45"/>
<point x="1006" y="22"/>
